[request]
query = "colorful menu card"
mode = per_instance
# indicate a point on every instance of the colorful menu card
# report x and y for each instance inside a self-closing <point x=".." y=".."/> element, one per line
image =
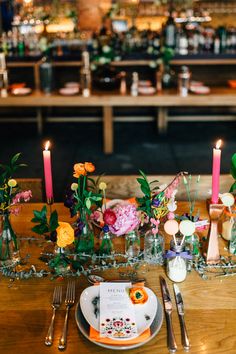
<point x="117" y="315"/>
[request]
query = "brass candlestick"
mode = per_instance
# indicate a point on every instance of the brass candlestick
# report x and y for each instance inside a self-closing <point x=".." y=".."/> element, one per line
<point x="213" y="252"/>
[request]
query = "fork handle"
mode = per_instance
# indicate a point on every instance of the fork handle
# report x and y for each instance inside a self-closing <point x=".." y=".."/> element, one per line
<point x="49" y="336"/>
<point x="63" y="339"/>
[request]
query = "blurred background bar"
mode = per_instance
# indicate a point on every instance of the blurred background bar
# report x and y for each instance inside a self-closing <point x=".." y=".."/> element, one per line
<point x="129" y="84"/>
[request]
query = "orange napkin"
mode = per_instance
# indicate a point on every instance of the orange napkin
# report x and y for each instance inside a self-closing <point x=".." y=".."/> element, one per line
<point x="95" y="335"/>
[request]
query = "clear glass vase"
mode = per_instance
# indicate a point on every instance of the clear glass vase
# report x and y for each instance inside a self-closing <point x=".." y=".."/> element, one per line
<point x="154" y="248"/>
<point x="9" y="249"/>
<point x="106" y="247"/>
<point x="85" y="242"/>
<point x="132" y="244"/>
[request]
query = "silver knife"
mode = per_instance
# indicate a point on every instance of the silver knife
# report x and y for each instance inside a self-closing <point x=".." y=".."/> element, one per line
<point x="180" y="308"/>
<point x="171" y="342"/>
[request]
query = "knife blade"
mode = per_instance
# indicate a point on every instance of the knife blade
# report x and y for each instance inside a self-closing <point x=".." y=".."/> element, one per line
<point x="171" y="342"/>
<point x="180" y="309"/>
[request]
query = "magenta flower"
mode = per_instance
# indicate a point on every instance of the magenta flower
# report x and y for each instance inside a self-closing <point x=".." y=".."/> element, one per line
<point x="126" y="219"/>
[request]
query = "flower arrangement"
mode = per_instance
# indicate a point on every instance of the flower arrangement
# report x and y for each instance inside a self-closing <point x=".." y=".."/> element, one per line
<point x="10" y="193"/>
<point x="158" y="201"/>
<point x="10" y="198"/>
<point x="82" y="197"/>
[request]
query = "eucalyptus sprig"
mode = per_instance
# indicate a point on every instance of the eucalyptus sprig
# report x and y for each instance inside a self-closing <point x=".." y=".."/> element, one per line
<point x="45" y="225"/>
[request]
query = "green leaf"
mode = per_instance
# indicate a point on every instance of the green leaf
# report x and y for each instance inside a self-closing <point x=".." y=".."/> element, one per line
<point x="40" y="229"/>
<point x="233" y="187"/>
<point x="155" y="181"/>
<point x="36" y="220"/>
<point x="41" y="215"/>
<point x="15" y="158"/>
<point x="53" y="222"/>
<point x="233" y="166"/>
<point x="145" y="190"/>
<point x="88" y="203"/>
<point x="143" y="174"/>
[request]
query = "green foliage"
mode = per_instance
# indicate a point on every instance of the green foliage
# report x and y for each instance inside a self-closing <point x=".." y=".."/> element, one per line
<point x="44" y="225"/>
<point x="7" y="193"/>
<point x="87" y="195"/>
<point x="233" y="172"/>
<point x="147" y="188"/>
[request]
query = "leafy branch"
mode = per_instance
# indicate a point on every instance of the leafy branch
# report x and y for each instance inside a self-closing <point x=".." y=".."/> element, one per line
<point x="148" y="188"/>
<point x="44" y="225"/>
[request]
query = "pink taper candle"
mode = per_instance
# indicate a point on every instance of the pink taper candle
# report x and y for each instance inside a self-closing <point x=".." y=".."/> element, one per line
<point x="216" y="173"/>
<point x="48" y="173"/>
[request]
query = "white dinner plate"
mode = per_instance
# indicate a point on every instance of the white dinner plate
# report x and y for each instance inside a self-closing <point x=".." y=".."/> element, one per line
<point x="69" y="91"/>
<point x="144" y="313"/>
<point x="201" y="90"/>
<point x="84" y="328"/>
<point x="147" y="90"/>
<point x="21" y="91"/>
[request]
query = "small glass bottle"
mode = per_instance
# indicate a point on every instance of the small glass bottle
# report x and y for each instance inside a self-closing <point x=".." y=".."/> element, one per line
<point x="184" y="81"/>
<point x="232" y="243"/>
<point x="46" y="74"/>
<point x="85" y="75"/>
<point x="153" y="248"/>
<point x="176" y="264"/>
<point x="123" y="87"/>
<point x="106" y="247"/>
<point x="192" y="245"/>
<point x="132" y="244"/>
<point x="227" y="224"/>
<point x="134" y="86"/>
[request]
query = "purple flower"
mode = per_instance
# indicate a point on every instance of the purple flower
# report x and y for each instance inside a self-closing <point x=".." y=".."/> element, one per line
<point x="156" y="203"/>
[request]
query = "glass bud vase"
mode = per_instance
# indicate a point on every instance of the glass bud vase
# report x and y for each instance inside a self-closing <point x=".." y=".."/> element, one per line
<point x="9" y="250"/>
<point x="132" y="244"/>
<point x="85" y="242"/>
<point x="232" y="242"/>
<point x="106" y="247"/>
<point x="153" y="248"/>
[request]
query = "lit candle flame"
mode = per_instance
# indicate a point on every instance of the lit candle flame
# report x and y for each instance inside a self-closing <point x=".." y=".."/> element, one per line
<point x="218" y="144"/>
<point x="47" y="145"/>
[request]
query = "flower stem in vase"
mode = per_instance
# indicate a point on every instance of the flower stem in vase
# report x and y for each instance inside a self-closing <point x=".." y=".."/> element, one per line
<point x="9" y="250"/>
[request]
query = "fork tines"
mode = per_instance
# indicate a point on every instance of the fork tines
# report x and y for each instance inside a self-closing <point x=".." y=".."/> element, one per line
<point x="70" y="292"/>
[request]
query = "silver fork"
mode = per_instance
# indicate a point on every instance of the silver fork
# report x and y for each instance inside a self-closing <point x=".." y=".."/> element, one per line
<point x="56" y="302"/>
<point x="69" y="302"/>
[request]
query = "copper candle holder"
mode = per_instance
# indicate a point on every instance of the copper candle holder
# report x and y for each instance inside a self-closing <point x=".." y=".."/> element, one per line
<point x="213" y="252"/>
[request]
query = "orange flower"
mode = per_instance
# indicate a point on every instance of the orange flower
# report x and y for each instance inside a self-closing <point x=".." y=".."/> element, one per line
<point x="79" y="169"/>
<point x="65" y="234"/>
<point x="89" y="167"/>
<point x="138" y="295"/>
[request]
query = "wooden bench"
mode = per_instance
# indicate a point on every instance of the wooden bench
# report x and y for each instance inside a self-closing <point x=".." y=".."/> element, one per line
<point x="124" y="187"/>
<point x="219" y="97"/>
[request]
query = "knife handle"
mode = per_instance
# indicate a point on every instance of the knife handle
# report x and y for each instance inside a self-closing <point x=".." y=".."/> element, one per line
<point x="184" y="334"/>
<point x="171" y="342"/>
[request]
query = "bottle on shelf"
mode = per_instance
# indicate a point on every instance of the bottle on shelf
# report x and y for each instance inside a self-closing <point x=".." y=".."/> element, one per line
<point x="3" y="76"/>
<point x="134" y="86"/>
<point x="170" y="33"/>
<point x="46" y="73"/>
<point x="85" y="75"/>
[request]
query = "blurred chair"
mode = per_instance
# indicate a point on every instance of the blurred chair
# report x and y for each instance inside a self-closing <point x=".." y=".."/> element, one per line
<point x="35" y="185"/>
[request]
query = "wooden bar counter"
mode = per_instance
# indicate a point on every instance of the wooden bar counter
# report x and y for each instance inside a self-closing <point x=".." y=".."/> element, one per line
<point x="219" y="97"/>
<point x="25" y="305"/>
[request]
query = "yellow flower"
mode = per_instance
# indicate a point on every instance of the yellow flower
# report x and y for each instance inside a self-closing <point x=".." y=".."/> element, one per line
<point x="65" y="234"/>
<point x="74" y="186"/>
<point x="89" y="166"/>
<point x="12" y="183"/>
<point x="102" y="186"/>
<point x="79" y="170"/>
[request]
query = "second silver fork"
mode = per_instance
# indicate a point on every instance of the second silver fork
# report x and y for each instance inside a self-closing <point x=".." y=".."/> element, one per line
<point x="69" y="302"/>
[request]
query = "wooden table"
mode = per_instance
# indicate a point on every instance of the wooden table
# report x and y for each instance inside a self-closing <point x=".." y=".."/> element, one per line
<point x="25" y="307"/>
<point x="219" y="97"/>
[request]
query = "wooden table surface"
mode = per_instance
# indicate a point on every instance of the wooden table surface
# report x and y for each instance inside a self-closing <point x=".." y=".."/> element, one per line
<point x="25" y="306"/>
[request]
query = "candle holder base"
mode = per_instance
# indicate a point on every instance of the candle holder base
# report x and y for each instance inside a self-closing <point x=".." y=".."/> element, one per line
<point x="50" y="201"/>
<point x="213" y="252"/>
